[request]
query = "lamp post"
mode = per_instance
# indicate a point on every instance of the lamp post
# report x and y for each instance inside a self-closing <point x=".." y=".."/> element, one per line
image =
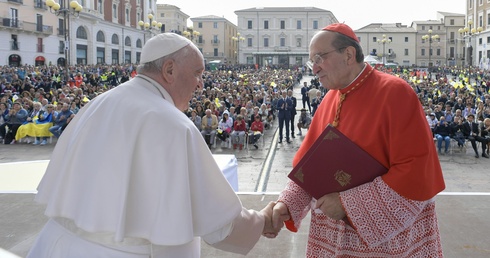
<point x="384" y="41"/>
<point x="74" y="8"/>
<point x="191" y="34"/>
<point x="430" y="37"/>
<point x="150" y="26"/>
<point x="237" y="39"/>
<point x="468" y="32"/>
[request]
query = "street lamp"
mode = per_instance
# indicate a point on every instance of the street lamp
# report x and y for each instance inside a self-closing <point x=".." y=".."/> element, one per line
<point x="191" y="34"/>
<point x="384" y="41"/>
<point x="237" y="39"/>
<point x="150" y="26"/>
<point x="74" y="8"/>
<point x="468" y="32"/>
<point x="430" y="37"/>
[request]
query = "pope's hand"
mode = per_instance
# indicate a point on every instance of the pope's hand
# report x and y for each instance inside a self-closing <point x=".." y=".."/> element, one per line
<point x="269" y="230"/>
<point x="331" y="206"/>
<point x="280" y="213"/>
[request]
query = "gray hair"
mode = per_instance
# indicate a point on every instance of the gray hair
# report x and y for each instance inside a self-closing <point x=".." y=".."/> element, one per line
<point x="155" y="66"/>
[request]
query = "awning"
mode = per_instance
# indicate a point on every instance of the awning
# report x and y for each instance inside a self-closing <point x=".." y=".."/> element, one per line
<point x="40" y="59"/>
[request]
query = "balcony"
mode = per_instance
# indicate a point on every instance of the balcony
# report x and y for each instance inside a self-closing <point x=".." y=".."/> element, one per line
<point x="39" y="4"/>
<point x="26" y="26"/>
<point x="16" y="1"/>
<point x="215" y="42"/>
<point x="282" y="49"/>
<point x="14" y="45"/>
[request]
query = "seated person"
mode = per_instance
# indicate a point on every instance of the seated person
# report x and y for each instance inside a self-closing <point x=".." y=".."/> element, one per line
<point x="472" y="133"/>
<point x="15" y="118"/>
<point x="61" y="120"/>
<point x="224" y="127"/>
<point x="209" y="124"/>
<point x="238" y="134"/>
<point x="256" y="130"/>
<point x="485" y="132"/>
<point x="442" y="131"/>
<point x="39" y="126"/>
<point x="457" y="130"/>
<point x="304" y="121"/>
<point x="196" y="119"/>
<point x="266" y="114"/>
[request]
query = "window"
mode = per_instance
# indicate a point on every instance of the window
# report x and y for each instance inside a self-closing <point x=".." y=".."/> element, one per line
<point x="423" y="52"/>
<point x="298" y="24"/>
<point x="99" y="6"/>
<point x="100" y="55"/>
<point x="100" y="36"/>
<point x="127" y="41"/>
<point x="406" y="39"/>
<point x="215" y="25"/>
<point x="451" y="22"/>
<point x="215" y="52"/>
<point x="40" y="45"/>
<point x="249" y="24"/>
<point x="488" y="18"/>
<point x="61" y="49"/>
<point x="298" y="42"/>
<point x="81" y="33"/>
<point x="266" y="42"/>
<point x="266" y="25"/>
<point x="199" y="24"/>
<point x="480" y="40"/>
<point x="39" y="24"/>
<point x="138" y="43"/>
<point x="315" y="25"/>
<point x="114" y="11"/>
<point x="61" y="26"/>
<point x="438" y="52"/>
<point x="162" y="15"/>
<point x="115" y="56"/>
<point x="480" y="21"/>
<point x="488" y="40"/>
<point x="283" y="25"/>
<point x="282" y="42"/>
<point x="406" y="51"/>
<point x="375" y="39"/>
<point x="249" y="42"/>
<point x="115" y="39"/>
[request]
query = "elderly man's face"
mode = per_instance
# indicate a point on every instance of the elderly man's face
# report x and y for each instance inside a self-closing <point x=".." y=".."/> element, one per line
<point x="188" y="79"/>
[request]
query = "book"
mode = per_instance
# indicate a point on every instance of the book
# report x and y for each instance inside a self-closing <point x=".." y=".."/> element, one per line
<point x="334" y="163"/>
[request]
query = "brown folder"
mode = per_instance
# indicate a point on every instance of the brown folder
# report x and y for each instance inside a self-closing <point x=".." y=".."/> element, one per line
<point x="333" y="164"/>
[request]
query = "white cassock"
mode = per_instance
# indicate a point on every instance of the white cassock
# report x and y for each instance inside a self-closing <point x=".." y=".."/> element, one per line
<point x="132" y="176"/>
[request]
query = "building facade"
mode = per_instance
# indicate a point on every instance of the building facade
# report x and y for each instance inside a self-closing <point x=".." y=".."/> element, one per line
<point x="477" y="41"/>
<point x="104" y="32"/>
<point x="397" y="47"/>
<point x="172" y="18"/>
<point x="279" y="36"/>
<point x="214" y="36"/>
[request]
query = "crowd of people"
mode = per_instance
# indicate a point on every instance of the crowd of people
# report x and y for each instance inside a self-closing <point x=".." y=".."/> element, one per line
<point x="47" y="102"/>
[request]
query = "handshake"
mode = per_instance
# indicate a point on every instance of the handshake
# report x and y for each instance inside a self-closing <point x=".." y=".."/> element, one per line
<point x="275" y="213"/>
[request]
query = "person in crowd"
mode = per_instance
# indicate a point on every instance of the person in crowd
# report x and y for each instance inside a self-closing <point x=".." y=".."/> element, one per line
<point x="304" y="96"/>
<point x="485" y="132"/>
<point x="266" y="115"/>
<point x="209" y="124"/>
<point x="304" y="121"/>
<point x="468" y="110"/>
<point x="167" y="171"/>
<point x="394" y="215"/>
<point x="293" y="111"/>
<point x="432" y="121"/>
<point x="316" y="102"/>
<point x="13" y="120"/>
<point x="256" y="130"/>
<point x="238" y="134"/>
<point x="225" y="126"/>
<point x="196" y="119"/>
<point x="63" y="117"/>
<point x="284" y="106"/>
<point x="4" y="110"/>
<point x="472" y="133"/>
<point x="457" y="131"/>
<point x="443" y="132"/>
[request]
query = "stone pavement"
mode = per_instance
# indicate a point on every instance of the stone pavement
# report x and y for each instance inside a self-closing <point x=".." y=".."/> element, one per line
<point x="462" y="208"/>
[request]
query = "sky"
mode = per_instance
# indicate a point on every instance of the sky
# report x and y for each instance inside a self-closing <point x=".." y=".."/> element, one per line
<point x="355" y="13"/>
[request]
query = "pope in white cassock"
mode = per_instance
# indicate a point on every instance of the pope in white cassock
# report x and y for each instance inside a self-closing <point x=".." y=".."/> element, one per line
<point x="131" y="175"/>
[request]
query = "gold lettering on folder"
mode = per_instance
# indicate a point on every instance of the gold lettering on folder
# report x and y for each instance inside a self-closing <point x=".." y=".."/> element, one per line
<point x="330" y="136"/>
<point x="299" y="175"/>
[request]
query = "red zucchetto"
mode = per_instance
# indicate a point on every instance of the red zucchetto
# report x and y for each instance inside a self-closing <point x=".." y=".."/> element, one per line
<point x="342" y="29"/>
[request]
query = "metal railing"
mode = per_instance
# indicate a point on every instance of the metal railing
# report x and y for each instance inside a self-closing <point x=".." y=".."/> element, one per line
<point x="39" y="4"/>
<point x="16" y="1"/>
<point x="14" y="45"/>
<point x="26" y="26"/>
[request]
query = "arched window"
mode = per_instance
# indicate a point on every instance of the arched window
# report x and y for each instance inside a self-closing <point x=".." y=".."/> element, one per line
<point x="81" y="33"/>
<point x="100" y="36"/>
<point x="138" y="43"/>
<point x="115" y="39"/>
<point x="127" y="41"/>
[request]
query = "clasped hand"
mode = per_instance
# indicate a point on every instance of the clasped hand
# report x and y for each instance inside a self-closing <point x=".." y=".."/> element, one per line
<point x="275" y="213"/>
